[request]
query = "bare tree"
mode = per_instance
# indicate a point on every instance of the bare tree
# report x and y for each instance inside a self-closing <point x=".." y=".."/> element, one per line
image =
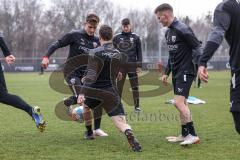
<point x="29" y="27"/>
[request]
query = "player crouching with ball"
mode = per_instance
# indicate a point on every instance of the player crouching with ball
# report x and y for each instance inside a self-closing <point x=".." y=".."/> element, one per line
<point x="100" y="90"/>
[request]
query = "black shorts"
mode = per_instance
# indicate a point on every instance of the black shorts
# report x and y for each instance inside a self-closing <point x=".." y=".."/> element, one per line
<point x="235" y="92"/>
<point x="107" y="98"/>
<point x="182" y="85"/>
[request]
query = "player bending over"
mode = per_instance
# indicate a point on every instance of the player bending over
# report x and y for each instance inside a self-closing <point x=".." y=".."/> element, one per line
<point x="100" y="89"/>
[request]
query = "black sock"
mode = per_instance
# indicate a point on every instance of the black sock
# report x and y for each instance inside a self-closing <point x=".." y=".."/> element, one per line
<point x="136" y="102"/>
<point x="191" y="129"/>
<point x="185" y="130"/>
<point x="70" y="101"/>
<point x="97" y="123"/>
<point x="89" y="130"/>
<point x="127" y="132"/>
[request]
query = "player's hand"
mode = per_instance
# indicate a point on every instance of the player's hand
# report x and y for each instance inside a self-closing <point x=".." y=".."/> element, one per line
<point x="10" y="59"/>
<point x="80" y="99"/>
<point x="45" y="62"/>
<point x="120" y="76"/>
<point x="138" y="70"/>
<point x="203" y="73"/>
<point x="164" y="79"/>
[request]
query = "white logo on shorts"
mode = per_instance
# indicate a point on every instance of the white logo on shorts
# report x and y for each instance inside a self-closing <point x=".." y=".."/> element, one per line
<point x="231" y="104"/>
<point x="180" y="90"/>
<point x="234" y="81"/>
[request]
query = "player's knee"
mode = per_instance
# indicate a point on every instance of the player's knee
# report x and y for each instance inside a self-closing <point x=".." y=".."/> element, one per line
<point x="178" y="103"/>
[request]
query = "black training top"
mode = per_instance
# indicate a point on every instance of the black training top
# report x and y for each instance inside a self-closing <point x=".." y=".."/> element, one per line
<point x="80" y="43"/>
<point x="181" y="42"/>
<point x="129" y="44"/>
<point x="3" y="46"/>
<point x="103" y="67"/>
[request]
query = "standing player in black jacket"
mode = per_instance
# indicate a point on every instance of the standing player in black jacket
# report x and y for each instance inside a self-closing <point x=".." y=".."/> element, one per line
<point x="100" y="88"/>
<point x="130" y="44"/>
<point x="13" y="100"/>
<point x="226" y="23"/>
<point x="80" y="42"/>
<point x="181" y="42"/>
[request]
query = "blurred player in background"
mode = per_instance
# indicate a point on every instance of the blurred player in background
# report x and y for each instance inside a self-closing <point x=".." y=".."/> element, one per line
<point x="130" y="44"/>
<point x="41" y="70"/>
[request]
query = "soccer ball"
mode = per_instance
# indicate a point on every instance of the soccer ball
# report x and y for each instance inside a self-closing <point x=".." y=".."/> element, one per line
<point x="77" y="114"/>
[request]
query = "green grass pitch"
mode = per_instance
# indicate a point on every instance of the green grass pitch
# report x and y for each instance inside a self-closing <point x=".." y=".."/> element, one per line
<point x="63" y="140"/>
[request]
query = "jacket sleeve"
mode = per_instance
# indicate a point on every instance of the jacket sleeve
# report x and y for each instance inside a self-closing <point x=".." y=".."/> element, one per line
<point x="124" y="62"/>
<point x="62" y="42"/>
<point x="168" y="68"/>
<point x="115" y="42"/>
<point x="221" y="23"/>
<point x="4" y="47"/>
<point x="139" y="52"/>
<point x="196" y="54"/>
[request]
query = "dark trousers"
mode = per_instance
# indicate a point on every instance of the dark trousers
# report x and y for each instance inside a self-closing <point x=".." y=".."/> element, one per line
<point x="10" y="99"/>
<point x="133" y="78"/>
<point x="236" y="118"/>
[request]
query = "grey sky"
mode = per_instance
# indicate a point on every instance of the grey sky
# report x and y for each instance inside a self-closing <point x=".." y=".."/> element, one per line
<point x="192" y="8"/>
